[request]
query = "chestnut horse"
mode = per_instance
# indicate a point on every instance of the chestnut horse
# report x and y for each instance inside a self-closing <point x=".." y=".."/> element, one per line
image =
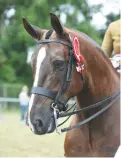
<point x="67" y="63"/>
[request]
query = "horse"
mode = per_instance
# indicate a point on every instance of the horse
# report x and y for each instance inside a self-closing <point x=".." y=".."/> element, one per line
<point x="67" y="63"/>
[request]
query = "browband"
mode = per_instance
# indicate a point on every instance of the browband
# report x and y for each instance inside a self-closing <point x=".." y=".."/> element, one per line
<point x="55" y="41"/>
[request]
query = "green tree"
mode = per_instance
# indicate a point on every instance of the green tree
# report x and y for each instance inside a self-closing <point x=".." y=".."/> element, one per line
<point x="14" y="41"/>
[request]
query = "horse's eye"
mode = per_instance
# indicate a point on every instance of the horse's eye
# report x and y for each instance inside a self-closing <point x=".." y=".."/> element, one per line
<point x="58" y="64"/>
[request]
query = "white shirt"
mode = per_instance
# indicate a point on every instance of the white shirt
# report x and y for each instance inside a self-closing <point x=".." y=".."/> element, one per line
<point x="23" y="98"/>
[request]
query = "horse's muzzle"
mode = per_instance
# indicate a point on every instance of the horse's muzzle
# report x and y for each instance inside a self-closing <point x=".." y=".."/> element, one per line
<point x="43" y="120"/>
<point x="41" y="129"/>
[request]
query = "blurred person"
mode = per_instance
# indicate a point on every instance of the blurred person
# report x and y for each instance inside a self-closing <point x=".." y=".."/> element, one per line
<point x="111" y="41"/>
<point x="24" y="100"/>
<point x="111" y="44"/>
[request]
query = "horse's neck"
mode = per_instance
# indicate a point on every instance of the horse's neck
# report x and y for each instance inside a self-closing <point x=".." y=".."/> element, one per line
<point x="101" y="79"/>
<point x="97" y="127"/>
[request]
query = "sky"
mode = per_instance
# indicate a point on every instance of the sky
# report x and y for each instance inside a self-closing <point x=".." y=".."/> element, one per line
<point x="108" y="7"/>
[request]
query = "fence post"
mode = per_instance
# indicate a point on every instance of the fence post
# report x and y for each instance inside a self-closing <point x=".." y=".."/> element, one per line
<point x="5" y="95"/>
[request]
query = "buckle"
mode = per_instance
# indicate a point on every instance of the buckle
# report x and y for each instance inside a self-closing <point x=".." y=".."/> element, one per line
<point x="56" y="116"/>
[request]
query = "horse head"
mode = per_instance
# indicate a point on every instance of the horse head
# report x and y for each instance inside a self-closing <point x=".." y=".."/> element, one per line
<point x="53" y="81"/>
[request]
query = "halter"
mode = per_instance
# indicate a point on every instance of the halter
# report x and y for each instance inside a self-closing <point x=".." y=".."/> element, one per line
<point x="65" y="84"/>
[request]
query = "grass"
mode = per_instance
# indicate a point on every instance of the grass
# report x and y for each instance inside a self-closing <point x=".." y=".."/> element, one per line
<point x="17" y="140"/>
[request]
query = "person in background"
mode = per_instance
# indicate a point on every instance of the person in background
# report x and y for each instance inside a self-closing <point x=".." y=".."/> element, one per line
<point x="111" y="44"/>
<point x="24" y="100"/>
<point x="111" y="41"/>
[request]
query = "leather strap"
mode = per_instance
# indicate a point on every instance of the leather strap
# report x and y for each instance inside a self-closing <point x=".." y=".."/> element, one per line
<point x="44" y="92"/>
<point x="93" y="116"/>
<point x="55" y="41"/>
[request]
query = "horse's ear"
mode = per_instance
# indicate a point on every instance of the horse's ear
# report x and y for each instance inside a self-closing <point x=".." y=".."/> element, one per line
<point x="34" y="31"/>
<point x="56" y="24"/>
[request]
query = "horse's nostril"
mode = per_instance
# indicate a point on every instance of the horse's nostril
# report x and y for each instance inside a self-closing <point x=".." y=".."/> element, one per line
<point x="39" y="123"/>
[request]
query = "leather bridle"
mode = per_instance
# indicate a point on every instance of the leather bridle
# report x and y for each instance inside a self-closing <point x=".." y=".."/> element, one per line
<point x="65" y="82"/>
<point x="57" y="97"/>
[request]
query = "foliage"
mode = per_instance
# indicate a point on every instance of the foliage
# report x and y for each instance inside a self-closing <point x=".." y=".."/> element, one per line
<point x="14" y="41"/>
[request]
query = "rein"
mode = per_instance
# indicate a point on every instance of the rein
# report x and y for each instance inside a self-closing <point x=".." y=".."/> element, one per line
<point x="112" y="100"/>
<point x="90" y="106"/>
<point x="91" y="117"/>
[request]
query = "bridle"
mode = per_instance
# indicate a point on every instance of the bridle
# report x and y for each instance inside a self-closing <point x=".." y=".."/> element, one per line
<point x="57" y="97"/>
<point x="65" y="82"/>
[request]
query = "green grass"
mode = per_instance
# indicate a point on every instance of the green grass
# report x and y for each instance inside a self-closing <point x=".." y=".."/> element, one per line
<point x="17" y="139"/>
